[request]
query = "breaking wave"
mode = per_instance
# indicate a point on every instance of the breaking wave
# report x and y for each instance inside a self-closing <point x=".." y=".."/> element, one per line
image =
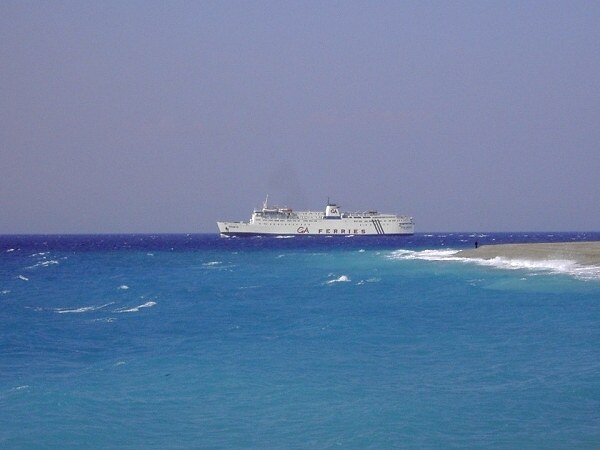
<point x="427" y="255"/>
<point x="341" y="279"/>
<point x="44" y="263"/>
<point x="82" y="309"/>
<point x="136" y="308"/>
<point x="557" y="266"/>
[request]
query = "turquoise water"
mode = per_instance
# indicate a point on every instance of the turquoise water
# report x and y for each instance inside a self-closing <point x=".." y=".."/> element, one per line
<point x="202" y="342"/>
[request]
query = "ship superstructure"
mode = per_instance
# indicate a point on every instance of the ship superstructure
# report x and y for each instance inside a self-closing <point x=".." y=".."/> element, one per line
<point x="331" y="222"/>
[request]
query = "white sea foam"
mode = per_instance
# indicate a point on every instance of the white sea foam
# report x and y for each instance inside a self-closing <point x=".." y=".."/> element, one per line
<point x="136" y="308"/>
<point x="4" y="292"/>
<point x="123" y="287"/>
<point x="341" y="279"/>
<point x="559" y="266"/>
<point x="77" y="310"/>
<point x="10" y="250"/>
<point x="284" y="237"/>
<point x="427" y="255"/>
<point x="44" y="264"/>
<point x="21" y="277"/>
<point x="82" y="309"/>
<point x="212" y="263"/>
<point x="49" y="262"/>
<point x="20" y="388"/>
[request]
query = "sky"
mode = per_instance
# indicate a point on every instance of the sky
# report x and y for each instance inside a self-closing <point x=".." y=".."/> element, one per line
<point x="164" y="117"/>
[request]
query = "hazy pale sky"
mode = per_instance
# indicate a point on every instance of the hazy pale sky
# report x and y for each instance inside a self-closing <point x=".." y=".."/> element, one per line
<point x="143" y="116"/>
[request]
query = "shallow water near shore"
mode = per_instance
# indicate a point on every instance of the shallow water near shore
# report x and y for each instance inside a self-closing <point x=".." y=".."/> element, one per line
<point x="179" y="341"/>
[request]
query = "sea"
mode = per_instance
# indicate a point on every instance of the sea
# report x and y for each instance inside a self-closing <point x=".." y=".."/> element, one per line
<point x="198" y="341"/>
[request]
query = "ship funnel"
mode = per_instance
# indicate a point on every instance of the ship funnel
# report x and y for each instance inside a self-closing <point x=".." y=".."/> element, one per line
<point x="332" y="211"/>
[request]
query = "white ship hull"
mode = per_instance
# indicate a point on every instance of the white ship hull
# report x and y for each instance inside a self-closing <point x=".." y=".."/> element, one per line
<point x="285" y="222"/>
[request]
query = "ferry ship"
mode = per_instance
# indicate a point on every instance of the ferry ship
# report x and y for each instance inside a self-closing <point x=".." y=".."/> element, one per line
<point x="331" y="222"/>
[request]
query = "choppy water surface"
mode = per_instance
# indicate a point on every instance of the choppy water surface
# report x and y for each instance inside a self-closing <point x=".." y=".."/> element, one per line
<point x="186" y="341"/>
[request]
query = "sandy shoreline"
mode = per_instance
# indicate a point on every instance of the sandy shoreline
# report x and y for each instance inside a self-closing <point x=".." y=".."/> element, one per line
<point x="584" y="253"/>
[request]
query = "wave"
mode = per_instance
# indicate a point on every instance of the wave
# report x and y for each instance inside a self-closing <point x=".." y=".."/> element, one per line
<point x="44" y="264"/>
<point x="123" y="287"/>
<point x="212" y="263"/>
<point x="82" y="309"/>
<point x="341" y="279"/>
<point x="20" y="388"/>
<point x="369" y="280"/>
<point x="136" y="308"/>
<point x="427" y="255"/>
<point x="21" y="277"/>
<point x="47" y="263"/>
<point x="105" y="319"/>
<point x="558" y="266"/>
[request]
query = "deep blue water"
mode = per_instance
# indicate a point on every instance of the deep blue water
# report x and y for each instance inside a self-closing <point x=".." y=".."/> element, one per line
<point x="195" y="341"/>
